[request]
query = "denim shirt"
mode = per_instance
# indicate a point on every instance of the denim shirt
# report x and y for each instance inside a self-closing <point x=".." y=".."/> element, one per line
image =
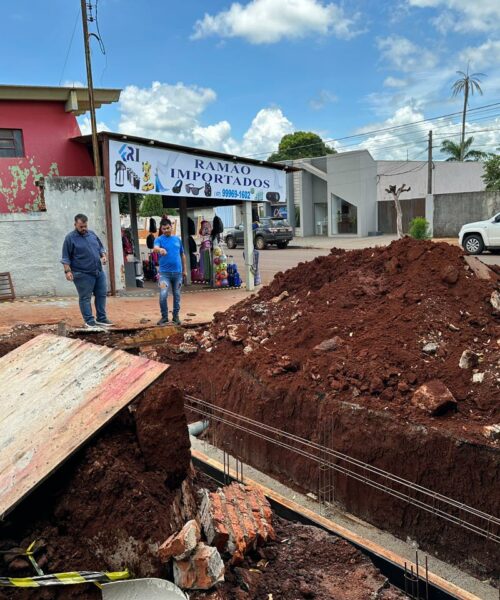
<point x="83" y="252"/>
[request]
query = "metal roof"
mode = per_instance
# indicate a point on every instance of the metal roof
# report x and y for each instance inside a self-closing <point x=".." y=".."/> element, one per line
<point x="109" y="135"/>
<point x="76" y="99"/>
<point x="55" y="394"/>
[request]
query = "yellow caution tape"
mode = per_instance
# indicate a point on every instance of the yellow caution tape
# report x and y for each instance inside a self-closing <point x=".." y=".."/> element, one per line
<point x="71" y="578"/>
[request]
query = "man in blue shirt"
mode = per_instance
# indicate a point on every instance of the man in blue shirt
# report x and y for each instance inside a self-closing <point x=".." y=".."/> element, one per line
<point x="172" y="271"/>
<point x="82" y="257"/>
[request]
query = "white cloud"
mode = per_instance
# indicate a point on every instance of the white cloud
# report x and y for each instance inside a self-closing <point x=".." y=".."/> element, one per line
<point x="394" y="82"/>
<point x="163" y="111"/>
<point x="85" y="127"/>
<point x="324" y="97"/>
<point x="400" y="143"/>
<point x="73" y="84"/>
<point x="173" y="113"/>
<point x="480" y="57"/>
<point x="404" y="55"/>
<point x="269" y="21"/>
<point x="265" y="132"/>
<point x="463" y="15"/>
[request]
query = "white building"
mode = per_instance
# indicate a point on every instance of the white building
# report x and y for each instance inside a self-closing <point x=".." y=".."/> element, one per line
<point x="344" y="194"/>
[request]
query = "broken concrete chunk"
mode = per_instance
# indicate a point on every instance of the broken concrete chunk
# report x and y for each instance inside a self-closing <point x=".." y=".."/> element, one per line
<point x="236" y="519"/>
<point x="279" y="298"/>
<point x="237" y="333"/>
<point x="287" y="364"/>
<point x="181" y="545"/>
<point x="329" y="345"/>
<point x="468" y="360"/>
<point x="186" y="348"/>
<point x="495" y="300"/>
<point x="434" y="398"/>
<point x="430" y="348"/>
<point x="201" y="570"/>
<point x="259" y="308"/>
<point x="478" y="378"/>
<point x="492" y="432"/>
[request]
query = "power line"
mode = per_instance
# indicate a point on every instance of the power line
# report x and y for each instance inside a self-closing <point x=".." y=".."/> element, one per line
<point x="70" y="44"/>
<point x="388" y="129"/>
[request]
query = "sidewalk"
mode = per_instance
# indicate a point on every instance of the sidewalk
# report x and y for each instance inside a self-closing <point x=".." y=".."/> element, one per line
<point x="125" y="312"/>
<point x="341" y="241"/>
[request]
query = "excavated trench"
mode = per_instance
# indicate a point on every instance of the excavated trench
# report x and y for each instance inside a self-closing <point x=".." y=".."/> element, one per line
<point x="333" y="352"/>
<point x="337" y="351"/>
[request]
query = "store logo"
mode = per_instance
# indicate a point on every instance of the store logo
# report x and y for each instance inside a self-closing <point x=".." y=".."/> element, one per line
<point x="129" y="153"/>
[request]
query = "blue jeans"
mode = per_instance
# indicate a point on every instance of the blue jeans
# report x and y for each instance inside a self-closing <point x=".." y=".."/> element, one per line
<point x="86" y="285"/>
<point x="170" y="282"/>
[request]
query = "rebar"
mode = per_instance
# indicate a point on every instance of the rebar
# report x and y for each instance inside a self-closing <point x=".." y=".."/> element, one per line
<point x="327" y="458"/>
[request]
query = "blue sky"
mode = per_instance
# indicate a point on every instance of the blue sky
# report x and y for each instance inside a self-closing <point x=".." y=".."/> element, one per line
<point x="236" y="76"/>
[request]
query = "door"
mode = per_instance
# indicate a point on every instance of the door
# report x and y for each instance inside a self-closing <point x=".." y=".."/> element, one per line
<point x="494" y="231"/>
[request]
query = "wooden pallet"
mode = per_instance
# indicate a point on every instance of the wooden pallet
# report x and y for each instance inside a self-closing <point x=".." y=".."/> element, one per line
<point x="6" y="287"/>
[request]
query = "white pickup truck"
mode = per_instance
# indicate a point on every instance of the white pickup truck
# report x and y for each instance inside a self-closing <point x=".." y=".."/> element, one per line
<point x="481" y="235"/>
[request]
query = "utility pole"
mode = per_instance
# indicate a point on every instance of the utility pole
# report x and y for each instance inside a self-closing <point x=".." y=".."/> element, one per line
<point x="429" y="164"/>
<point x="90" y="86"/>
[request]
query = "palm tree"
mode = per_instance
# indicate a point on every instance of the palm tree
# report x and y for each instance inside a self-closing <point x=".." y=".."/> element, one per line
<point x="461" y="151"/>
<point x="467" y="84"/>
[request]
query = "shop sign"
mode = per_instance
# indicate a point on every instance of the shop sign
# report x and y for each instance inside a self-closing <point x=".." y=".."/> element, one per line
<point x="143" y="169"/>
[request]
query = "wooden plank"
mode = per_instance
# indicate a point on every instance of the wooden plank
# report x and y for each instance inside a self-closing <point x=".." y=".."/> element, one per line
<point x="480" y="269"/>
<point x="56" y="393"/>
<point x="343" y="532"/>
<point x="6" y="287"/>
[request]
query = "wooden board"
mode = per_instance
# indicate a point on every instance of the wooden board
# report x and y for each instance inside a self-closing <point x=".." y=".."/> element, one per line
<point x="6" y="287"/>
<point x="55" y="393"/>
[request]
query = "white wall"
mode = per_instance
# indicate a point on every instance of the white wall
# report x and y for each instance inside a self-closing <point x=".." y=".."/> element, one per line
<point x="31" y="243"/>
<point x="447" y="177"/>
<point x="352" y="176"/>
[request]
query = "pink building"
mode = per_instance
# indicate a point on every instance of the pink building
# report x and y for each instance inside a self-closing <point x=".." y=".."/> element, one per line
<point x="36" y="127"/>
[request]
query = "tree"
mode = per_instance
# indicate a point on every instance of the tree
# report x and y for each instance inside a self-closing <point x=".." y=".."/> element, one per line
<point x="467" y="84"/>
<point x="399" y="212"/>
<point x="301" y="144"/>
<point x="151" y="206"/>
<point x="459" y="152"/>
<point x="491" y="174"/>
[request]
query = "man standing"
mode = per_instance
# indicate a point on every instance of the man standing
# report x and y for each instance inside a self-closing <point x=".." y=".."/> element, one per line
<point x="172" y="271"/>
<point x="82" y="257"/>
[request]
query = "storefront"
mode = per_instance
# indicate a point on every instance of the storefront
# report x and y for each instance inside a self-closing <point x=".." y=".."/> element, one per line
<point x="186" y="178"/>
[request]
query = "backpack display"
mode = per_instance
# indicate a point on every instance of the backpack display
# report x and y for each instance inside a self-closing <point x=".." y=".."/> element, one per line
<point x="150" y="241"/>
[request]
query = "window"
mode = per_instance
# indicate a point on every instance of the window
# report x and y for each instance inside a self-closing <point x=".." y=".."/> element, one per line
<point x="11" y="143"/>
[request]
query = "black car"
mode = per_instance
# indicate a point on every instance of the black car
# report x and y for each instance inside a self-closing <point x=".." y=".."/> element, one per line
<point x="270" y="231"/>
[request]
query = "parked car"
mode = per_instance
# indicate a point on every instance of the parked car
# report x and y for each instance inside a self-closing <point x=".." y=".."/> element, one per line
<point x="481" y="235"/>
<point x="270" y="231"/>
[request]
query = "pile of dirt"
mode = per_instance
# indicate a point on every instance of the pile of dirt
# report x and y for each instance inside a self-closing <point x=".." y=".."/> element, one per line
<point x="367" y="326"/>
<point x="113" y="503"/>
<point x="335" y="350"/>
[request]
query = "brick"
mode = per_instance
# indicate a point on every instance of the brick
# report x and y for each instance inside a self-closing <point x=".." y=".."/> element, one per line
<point x="201" y="570"/>
<point x="236" y="519"/>
<point x="181" y="545"/>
